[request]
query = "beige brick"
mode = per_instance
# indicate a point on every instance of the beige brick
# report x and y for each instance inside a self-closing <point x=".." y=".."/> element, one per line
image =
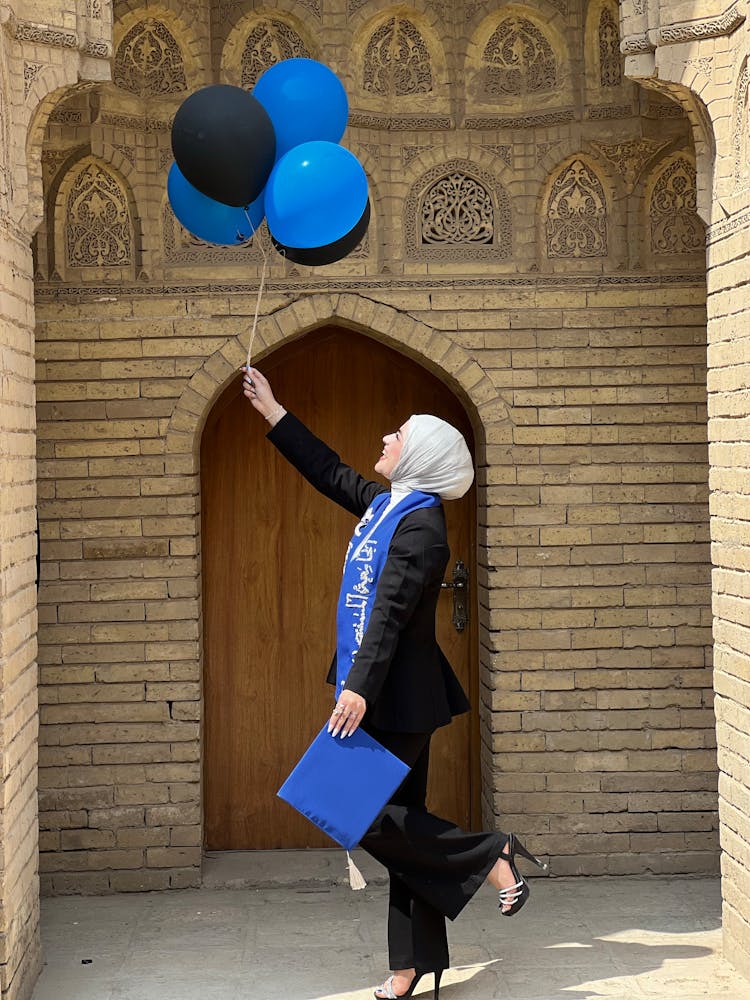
<point x="170" y="857"/>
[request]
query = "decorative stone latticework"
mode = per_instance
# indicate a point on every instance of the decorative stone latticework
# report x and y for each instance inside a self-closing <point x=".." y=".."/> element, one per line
<point x="576" y="216"/>
<point x="610" y="71"/>
<point x="30" y="72"/>
<point x="518" y="59"/>
<point x="148" y="61"/>
<point x="505" y="153"/>
<point x="675" y="226"/>
<point x="457" y="212"/>
<point x="397" y="61"/>
<point x="741" y="131"/>
<point x="269" y="41"/>
<point x="97" y="221"/>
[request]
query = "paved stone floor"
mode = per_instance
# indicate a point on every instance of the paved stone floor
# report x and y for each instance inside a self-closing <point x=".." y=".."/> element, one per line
<point x="306" y="936"/>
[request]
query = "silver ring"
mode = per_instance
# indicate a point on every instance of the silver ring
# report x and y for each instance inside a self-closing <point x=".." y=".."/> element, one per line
<point x="338" y="711"/>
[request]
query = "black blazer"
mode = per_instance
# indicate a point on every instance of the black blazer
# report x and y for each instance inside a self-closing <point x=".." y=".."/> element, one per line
<point x="399" y="670"/>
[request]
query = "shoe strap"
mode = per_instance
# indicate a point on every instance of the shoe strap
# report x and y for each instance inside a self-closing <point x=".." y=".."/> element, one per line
<point x="386" y="990"/>
<point x="510" y="892"/>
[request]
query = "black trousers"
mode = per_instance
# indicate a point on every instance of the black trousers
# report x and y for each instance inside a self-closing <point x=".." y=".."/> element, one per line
<point x="435" y="867"/>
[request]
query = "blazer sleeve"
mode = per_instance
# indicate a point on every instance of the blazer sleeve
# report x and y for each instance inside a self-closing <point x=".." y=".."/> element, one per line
<point x="416" y="558"/>
<point x="322" y="467"/>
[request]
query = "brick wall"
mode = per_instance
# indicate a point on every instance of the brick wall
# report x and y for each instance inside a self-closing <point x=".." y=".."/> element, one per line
<point x="597" y="725"/>
<point x="119" y="672"/>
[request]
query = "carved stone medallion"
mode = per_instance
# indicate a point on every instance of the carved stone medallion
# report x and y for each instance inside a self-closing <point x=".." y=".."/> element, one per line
<point x="675" y="225"/>
<point x="97" y="220"/>
<point x="576" y="224"/>
<point x="397" y="61"/>
<point x="148" y="61"/>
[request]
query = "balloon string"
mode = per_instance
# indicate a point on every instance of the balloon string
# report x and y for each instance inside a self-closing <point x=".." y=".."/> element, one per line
<point x="260" y="289"/>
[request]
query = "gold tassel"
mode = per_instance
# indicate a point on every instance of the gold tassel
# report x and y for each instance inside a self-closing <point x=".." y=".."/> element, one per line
<point x="356" y="878"/>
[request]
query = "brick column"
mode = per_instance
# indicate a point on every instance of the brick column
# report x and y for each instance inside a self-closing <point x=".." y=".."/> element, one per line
<point x="701" y="58"/>
<point x="20" y="953"/>
<point x="38" y="61"/>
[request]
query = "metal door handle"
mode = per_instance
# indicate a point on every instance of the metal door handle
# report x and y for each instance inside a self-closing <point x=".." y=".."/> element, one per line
<point x="460" y="587"/>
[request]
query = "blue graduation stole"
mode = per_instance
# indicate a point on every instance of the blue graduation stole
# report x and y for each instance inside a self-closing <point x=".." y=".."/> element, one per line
<point x="364" y="562"/>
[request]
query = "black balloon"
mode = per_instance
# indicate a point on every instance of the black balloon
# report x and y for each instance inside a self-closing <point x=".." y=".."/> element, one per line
<point x="224" y="144"/>
<point x="331" y="252"/>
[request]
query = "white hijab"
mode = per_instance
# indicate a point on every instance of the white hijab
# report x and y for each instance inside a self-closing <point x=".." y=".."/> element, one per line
<point x="434" y="459"/>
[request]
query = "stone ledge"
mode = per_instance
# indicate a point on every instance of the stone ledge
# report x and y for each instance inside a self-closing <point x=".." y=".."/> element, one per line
<point x="309" y="869"/>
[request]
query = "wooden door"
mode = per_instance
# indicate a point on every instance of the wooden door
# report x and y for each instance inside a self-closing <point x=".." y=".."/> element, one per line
<point x="272" y="551"/>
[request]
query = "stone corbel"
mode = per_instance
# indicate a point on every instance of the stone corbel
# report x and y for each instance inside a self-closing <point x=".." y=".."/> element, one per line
<point x="636" y="44"/>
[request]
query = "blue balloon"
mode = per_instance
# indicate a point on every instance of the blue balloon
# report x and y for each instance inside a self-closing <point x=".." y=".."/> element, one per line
<point x="316" y="193"/>
<point x="305" y="100"/>
<point x="211" y="220"/>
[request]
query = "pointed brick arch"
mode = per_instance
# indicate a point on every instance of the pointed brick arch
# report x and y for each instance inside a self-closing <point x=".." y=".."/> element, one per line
<point x="427" y="345"/>
<point x="487" y="410"/>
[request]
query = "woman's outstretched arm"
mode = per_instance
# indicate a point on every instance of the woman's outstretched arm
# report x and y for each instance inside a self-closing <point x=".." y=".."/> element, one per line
<point x="318" y="463"/>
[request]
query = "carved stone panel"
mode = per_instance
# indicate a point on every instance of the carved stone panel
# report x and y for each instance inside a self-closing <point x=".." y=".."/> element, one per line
<point x="456" y="209"/>
<point x="675" y="225"/>
<point x="98" y="231"/>
<point x="576" y="217"/>
<point x="31" y="71"/>
<point x="148" y="61"/>
<point x="397" y="61"/>
<point x="456" y="212"/>
<point x="630" y="157"/>
<point x="5" y="169"/>
<point x="269" y="41"/>
<point x="610" y="65"/>
<point x="740" y="130"/>
<point x="518" y="60"/>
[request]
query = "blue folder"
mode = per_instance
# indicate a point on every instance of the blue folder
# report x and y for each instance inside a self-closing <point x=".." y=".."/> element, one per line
<point x="341" y="785"/>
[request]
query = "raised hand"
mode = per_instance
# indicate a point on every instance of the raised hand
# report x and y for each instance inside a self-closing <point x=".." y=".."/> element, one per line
<point x="256" y="387"/>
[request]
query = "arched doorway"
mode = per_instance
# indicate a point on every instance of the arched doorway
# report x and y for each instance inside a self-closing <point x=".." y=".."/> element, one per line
<point x="272" y="550"/>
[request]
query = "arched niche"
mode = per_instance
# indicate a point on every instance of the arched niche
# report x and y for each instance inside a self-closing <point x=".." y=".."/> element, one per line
<point x="95" y="229"/>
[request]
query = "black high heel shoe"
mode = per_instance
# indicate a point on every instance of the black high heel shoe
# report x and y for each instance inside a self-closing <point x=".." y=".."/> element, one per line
<point x="516" y="894"/>
<point x="387" y="993"/>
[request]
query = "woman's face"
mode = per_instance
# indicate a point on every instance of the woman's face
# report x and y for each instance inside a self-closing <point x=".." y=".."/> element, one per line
<point x="392" y="447"/>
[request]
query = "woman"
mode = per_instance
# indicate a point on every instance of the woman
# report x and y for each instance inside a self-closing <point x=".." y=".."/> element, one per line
<point x="391" y="676"/>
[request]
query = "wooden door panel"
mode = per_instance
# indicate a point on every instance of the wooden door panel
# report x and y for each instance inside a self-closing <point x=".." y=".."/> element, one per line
<point x="272" y="552"/>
